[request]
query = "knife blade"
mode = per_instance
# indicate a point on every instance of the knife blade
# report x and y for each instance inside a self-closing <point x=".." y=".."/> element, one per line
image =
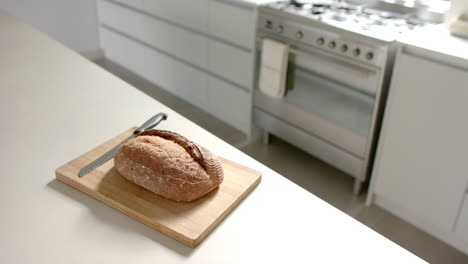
<point x="152" y="122"/>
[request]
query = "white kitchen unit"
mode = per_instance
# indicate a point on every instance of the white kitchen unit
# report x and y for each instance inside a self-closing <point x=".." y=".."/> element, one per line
<point x="421" y="171"/>
<point x="46" y="221"/>
<point x="461" y="228"/>
<point x="199" y="50"/>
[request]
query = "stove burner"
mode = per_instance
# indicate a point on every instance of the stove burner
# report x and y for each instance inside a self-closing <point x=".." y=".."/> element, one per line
<point x="310" y="4"/>
<point x="415" y="22"/>
<point x="321" y="5"/>
<point x="348" y="10"/>
<point x="297" y="3"/>
<point x="316" y="12"/>
<point x="339" y="17"/>
<point x="347" y="15"/>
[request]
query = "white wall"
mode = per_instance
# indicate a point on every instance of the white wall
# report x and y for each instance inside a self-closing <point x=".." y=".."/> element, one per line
<point x="72" y="22"/>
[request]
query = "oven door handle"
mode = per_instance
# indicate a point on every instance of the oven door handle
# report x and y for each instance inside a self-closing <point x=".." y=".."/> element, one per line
<point x="339" y="64"/>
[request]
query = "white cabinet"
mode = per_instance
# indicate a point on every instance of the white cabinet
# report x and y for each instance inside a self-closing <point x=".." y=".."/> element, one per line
<point x="231" y="63"/>
<point x="421" y="171"/>
<point x="189" y="13"/>
<point x="177" y="42"/>
<point x="200" y="50"/>
<point x="462" y="223"/>
<point x="422" y="164"/>
<point x="134" y="3"/>
<point x="229" y="103"/>
<point x="232" y="21"/>
<point x="156" y="67"/>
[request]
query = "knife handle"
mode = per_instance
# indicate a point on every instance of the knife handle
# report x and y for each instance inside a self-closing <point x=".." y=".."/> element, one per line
<point x="152" y="122"/>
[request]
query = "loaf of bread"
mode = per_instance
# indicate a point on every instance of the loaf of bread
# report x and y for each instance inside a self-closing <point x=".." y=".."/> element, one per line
<point x="169" y="165"/>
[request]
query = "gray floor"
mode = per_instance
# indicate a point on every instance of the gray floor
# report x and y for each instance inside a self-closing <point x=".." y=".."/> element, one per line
<point x="329" y="184"/>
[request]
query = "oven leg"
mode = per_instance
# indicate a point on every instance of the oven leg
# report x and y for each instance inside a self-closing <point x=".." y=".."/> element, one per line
<point x="357" y="186"/>
<point x="266" y="137"/>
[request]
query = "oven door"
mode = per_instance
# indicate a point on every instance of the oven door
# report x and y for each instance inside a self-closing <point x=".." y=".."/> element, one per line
<point x="329" y="98"/>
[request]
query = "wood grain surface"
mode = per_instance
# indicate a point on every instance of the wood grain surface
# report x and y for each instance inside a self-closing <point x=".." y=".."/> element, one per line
<point x="188" y="223"/>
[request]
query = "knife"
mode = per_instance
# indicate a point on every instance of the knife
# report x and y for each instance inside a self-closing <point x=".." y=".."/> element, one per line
<point x="152" y="122"/>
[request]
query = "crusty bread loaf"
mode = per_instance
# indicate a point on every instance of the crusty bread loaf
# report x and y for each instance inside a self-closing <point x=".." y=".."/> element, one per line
<point x="170" y="165"/>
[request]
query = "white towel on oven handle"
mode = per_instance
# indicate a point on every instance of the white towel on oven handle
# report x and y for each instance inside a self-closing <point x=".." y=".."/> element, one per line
<point x="273" y="68"/>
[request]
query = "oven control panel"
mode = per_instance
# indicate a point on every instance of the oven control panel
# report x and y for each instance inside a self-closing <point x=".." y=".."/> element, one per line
<point x="327" y="40"/>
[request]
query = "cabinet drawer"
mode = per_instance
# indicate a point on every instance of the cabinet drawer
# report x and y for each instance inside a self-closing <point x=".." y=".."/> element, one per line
<point x="189" y="13"/>
<point x="421" y="159"/>
<point x="233" y="23"/>
<point x="184" y="44"/>
<point x="229" y="104"/>
<point x="231" y="63"/>
<point x="169" y="74"/>
<point x="462" y="223"/>
<point x="138" y="4"/>
<point x="308" y="142"/>
<point x="121" y="51"/>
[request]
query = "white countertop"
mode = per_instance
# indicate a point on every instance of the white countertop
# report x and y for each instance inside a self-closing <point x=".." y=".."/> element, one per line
<point x="437" y="44"/>
<point x="55" y="105"/>
<point x="438" y="39"/>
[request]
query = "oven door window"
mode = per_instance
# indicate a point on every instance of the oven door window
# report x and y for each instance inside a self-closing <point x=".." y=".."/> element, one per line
<point x="328" y="110"/>
<point x="334" y="102"/>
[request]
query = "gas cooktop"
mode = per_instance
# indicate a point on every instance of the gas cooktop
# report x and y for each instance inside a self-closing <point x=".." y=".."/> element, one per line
<point x="354" y="17"/>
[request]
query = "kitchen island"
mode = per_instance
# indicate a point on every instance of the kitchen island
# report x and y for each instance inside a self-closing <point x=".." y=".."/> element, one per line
<point x="56" y="105"/>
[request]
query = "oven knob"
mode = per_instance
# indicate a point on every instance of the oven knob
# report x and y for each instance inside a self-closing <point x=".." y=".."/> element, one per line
<point x="320" y="41"/>
<point x="357" y="52"/>
<point x="332" y="44"/>
<point x="299" y="35"/>
<point x="279" y="28"/>
<point x="344" y="48"/>
<point x="370" y="55"/>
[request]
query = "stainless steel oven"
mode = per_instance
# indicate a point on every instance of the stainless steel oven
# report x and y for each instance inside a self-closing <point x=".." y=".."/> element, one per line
<point x="336" y="81"/>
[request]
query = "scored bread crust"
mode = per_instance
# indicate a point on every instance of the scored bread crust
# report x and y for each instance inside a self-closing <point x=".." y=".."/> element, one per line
<point x="169" y="165"/>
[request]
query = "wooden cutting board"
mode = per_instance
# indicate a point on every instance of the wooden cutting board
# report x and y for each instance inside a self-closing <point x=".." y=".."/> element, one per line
<point x="188" y="223"/>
